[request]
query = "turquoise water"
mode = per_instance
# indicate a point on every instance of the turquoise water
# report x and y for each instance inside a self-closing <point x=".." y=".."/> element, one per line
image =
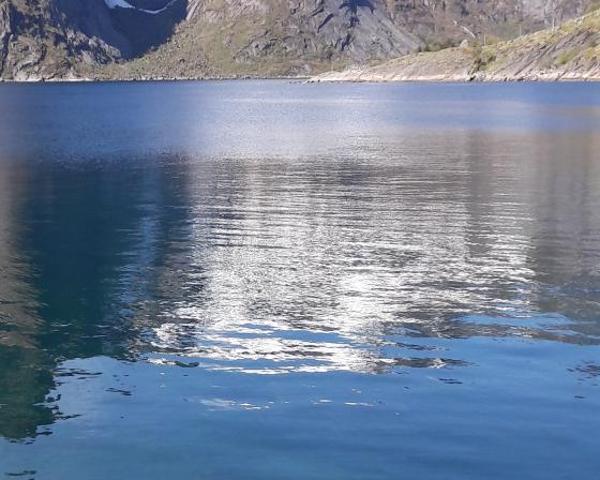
<point x="251" y="280"/>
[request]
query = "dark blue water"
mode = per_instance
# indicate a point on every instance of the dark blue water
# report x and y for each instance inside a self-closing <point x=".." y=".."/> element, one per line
<point x="253" y="280"/>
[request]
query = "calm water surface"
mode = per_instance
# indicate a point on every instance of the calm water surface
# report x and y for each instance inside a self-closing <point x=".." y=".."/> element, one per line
<point x="256" y="280"/>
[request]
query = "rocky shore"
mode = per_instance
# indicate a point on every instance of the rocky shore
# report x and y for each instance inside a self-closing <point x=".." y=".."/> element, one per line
<point x="570" y="52"/>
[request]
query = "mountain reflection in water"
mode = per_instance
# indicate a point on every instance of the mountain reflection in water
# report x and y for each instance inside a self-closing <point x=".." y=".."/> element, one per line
<point x="374" y="257"/>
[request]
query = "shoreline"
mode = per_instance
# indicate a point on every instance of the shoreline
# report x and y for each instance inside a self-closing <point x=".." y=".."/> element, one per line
<point x="450" y="79"/>
<point x="148" y="80"/>
<point x="326" y="78"/>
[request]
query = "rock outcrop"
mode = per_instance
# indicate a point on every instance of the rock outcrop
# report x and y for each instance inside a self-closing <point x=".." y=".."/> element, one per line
<point x="273" y="38"/>
<point x="46" y="39"/>
<point x="568" y="52"/>
<point x="145" y="39"/>
<point x="300" y="37"/>
<point x="62" y="39"/>
<point x="447" y="22"/>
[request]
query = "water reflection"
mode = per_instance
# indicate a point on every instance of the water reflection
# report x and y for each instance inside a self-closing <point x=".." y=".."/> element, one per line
<point x="78" y="248"/>
<point x="315" y="266"/>
<point x="295" y="263"/>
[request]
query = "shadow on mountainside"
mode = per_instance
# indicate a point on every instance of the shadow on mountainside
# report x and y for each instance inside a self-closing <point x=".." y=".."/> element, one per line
<point x="145" y="30"/>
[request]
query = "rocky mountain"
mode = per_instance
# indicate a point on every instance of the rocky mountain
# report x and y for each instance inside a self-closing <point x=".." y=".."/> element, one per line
<point x="443" y="23"/>
<point x="568" y="52"/>
<point x="268" y="37"/>
<point x="298" y="37"/>
<point x="47" y="39"/>
<point x="53" y="39"/>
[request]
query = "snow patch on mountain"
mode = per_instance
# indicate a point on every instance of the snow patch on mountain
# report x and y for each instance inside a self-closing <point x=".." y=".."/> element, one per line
<point x="112" y="4"/>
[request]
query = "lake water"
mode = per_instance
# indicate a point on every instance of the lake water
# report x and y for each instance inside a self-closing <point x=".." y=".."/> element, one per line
<point x="272" y="280"/>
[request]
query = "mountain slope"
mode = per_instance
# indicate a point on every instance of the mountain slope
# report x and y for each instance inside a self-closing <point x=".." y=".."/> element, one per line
<point x="448" y="22"/>
<point x="135" y="39"/>
<point x="283" y="37"/>
<point x="571" y="51"/>
<point x="47" y="39"/>
<point x="298" y="37"/>
<point x="53" y="39"/>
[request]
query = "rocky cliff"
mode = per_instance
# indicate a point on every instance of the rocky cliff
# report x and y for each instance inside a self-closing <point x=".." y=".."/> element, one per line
<point x="52" y="39"/>
<point x="107" y="39"/>
<point x="283" y="37"/>
<point x="447" y="22"/>
<point x="62" y="39"/>
<point x="568" y="52"/>
<point x="299" y="37"/>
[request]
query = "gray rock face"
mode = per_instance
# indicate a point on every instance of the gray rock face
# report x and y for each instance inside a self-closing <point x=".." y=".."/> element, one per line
<point x="568" y="52"/>
<point x="275" y="37"/>
<point x="447" y="22"/>
<point x="359" y="30"/>
<point x="92" y="19"/>
<point x="47" y="39"/>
